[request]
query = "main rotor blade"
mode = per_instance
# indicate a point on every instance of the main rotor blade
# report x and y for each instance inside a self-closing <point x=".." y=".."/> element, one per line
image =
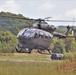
<point x="60" y="20"/>
<point x="37" y="19"/>
<point x="22" y="18"/>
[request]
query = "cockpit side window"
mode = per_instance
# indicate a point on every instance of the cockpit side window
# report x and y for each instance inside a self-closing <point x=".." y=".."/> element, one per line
<point x="29" y="33"/>
<point x="41" y="34"/>
<point x="21" y="32"/>
<point x="48" y="35"/>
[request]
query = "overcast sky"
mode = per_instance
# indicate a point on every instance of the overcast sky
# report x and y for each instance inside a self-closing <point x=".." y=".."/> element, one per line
<point x="57" y="9"/>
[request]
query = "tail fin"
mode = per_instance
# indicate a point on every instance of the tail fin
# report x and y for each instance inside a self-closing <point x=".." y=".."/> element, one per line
<point x="67" y="31"/>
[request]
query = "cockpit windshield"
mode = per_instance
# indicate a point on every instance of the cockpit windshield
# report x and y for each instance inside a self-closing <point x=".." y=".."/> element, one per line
<point x="29" y="32"/>
<point x="21" y="32"/>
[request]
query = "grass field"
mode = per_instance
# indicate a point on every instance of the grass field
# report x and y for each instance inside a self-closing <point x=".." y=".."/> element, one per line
<point x="30" y="64"/>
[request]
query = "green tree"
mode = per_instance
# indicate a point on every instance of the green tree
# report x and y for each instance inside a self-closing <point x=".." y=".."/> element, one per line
<point x="8" y="42"/>
<point x="57" y="48"/>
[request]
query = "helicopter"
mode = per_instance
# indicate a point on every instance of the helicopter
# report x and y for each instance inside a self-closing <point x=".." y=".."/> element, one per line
<point x="39" y="36"/>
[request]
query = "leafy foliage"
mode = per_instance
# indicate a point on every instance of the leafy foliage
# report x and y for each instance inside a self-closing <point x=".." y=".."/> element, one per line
<point x="57" y="48"/>
<point x="13" y="24"/>
<point x="8" y="41"/>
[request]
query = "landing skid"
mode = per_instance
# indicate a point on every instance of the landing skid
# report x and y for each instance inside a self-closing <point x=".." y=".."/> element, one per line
<point x="43" y="51"/>
<point x="22" y="50"/>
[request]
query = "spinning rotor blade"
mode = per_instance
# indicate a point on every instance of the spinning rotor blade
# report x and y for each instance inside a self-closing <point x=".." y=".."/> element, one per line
<point x="60" y="20"/>
<point x="45" y="19"/>
<point x="22" y="18"/>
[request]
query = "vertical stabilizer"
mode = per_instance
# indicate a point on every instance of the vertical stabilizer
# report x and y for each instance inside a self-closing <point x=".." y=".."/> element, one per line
<point x="67" y="31"/>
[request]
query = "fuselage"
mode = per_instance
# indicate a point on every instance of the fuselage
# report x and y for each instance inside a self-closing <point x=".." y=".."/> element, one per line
<point x="32" y="38"/>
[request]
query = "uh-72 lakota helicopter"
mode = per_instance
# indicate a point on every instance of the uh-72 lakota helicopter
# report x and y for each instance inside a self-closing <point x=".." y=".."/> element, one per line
<point x="39" y="36"/>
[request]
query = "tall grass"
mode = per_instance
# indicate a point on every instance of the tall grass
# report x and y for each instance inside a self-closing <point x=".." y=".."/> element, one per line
<point x="28" y="68"/>
<point x="20" y="64"/>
